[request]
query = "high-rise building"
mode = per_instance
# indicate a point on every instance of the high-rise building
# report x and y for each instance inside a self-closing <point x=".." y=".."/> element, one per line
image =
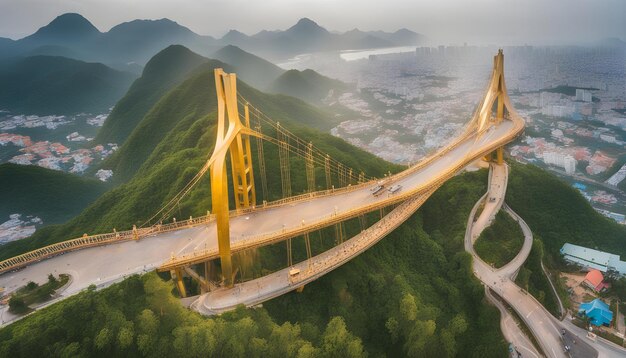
<point x="583" y="95"/>
<point x="569" y="164"/>
<point x="565" y="161"/>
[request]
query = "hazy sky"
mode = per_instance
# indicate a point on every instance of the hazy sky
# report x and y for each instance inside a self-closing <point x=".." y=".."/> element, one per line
<point x="446" y="21"/>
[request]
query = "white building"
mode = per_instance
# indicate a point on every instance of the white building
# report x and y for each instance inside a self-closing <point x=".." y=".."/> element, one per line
<point x="565" y="161"/>
<point x="617" y="178"/>
<point x="590" y="258"/>
<point x="583" y="95"/>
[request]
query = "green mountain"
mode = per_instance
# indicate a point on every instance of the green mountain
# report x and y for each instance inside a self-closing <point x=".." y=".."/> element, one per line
<point x="412" y="294"/>
<point x="164" y="71"/>
<point x="172" y="142"/>
<point x="558" y="213"/>
<point x="254" y="70"/>
<point x="307" y="85"/>
<point x="135" y="112"/>
<point x="53" y="196"/>
<point x="58" y="85"/>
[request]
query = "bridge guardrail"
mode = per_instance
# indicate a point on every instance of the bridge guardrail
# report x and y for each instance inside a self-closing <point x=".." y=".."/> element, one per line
<point x="109" y="238"/>
<point x="96" y="240"/>
<point x="365" y="239"/>
<point x="276" y="236"/>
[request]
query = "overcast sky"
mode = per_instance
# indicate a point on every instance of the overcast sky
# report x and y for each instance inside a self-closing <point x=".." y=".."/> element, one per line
<point x="443" y="21"/>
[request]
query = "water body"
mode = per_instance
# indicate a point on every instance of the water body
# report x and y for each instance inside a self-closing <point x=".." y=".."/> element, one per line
<point x="353" y="55"/>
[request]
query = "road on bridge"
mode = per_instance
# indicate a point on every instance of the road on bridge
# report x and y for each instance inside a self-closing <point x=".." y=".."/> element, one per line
<point x="106" y="264"/>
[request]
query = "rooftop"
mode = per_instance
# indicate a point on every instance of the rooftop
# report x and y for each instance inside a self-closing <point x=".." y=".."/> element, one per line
<point x="594" y="277"/>
<point x="595" y="259"/>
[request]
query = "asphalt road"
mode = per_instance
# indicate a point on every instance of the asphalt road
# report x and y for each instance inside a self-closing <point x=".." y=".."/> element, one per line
<point x="538" y="320"/>
<point x="99" y="265"/>
<point x="523" y="347"/>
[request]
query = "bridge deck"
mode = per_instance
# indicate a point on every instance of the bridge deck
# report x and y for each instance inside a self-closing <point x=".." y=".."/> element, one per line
<point x="257" y="291"/>
<point x="274" y="224"/>
<point x="99" y="265"/>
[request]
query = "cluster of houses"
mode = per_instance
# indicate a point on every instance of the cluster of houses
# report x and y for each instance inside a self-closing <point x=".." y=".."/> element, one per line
<point x="598" y="263"/>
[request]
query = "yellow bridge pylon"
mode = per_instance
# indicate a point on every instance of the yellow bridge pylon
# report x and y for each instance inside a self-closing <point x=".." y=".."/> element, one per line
<point x="232" y="136"/>
<point x="496" y="96"/>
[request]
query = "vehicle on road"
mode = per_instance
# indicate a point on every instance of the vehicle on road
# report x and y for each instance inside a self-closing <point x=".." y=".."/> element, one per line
<point x="377" y="190"/>
<point x="395" y="188"/>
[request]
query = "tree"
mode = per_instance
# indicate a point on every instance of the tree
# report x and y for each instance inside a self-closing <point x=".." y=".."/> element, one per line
<point x="619" y="287"/>
<point x="338" y="342"/>
<point x="419" y="334"/>
<point x="52" y="279"/>
<point x="17" y="305"/>
<point x="103" y="339"/>
<point x="308" y="351"/>
<point x="394" y="329"/>
<point x="147" y="326"/>
<point x="408" y="307"/>
<point x="71" y="350"/>
<point x="126" y="337"/>
<point x="31" y="285"/>
<point x="285" y="340"/>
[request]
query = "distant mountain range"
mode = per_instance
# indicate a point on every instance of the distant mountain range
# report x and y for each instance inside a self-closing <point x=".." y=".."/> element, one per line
<point x="308" y="36"/>
<point x="71" y="35"/>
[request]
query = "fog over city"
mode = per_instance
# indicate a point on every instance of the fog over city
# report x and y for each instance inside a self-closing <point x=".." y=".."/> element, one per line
<point x="502" y="22"/>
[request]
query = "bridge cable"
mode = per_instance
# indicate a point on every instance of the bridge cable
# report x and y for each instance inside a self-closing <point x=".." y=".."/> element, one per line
<point x="261" y="159"/>
<point x="300" y="147"/>
<point x="307" y="243"/>
<point x="283" y="155"/>
<point x="310" y="169"/>
<point x="299" y="142"/>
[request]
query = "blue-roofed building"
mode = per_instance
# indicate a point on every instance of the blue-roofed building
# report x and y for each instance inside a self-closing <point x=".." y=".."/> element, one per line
<point x="593" y="259"/>
<point x="597" y="311"/>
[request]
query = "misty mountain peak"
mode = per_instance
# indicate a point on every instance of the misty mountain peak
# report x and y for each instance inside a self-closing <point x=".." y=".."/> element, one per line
<point x="306" y="25"/>
<point x="234" y="37"/>
<point x="234" y="33"/>
<point x="405" y="31"/>
<point x="163" y="25"/>
<point x="68" y="25"/>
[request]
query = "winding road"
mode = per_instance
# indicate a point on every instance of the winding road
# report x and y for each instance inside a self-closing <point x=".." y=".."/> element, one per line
<point x="546" y="330"/>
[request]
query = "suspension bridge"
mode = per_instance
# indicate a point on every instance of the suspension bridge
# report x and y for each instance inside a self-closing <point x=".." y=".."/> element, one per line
<point x="203" y="247"/>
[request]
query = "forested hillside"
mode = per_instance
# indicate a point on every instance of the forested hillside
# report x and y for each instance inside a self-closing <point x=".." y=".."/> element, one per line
<point x="307" y="85"/>
<point x="57" y="85"/>
<point x="413" y="294"/>
<point x="165" y="70"/>
<point x="558" y="213"/>
<point x="51" y="195"/>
